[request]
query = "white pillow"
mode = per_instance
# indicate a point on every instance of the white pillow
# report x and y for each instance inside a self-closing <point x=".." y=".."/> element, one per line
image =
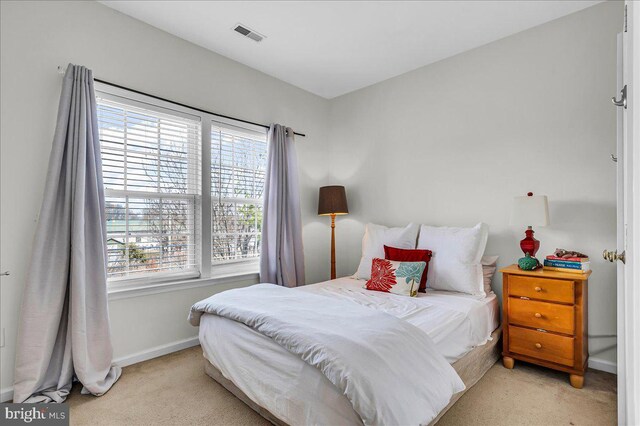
<point x="489" y="266"/>
<point x="457" y="253"/>
<point x="376" y="237"/>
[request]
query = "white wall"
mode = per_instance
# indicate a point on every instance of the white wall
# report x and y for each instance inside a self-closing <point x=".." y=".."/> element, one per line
<point x="453" y="142"/>
<point x="36" y="37"/>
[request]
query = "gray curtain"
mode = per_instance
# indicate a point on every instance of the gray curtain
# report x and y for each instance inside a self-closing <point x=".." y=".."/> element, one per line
<point x="281" y="256"/>
<point x="64" y="322"/>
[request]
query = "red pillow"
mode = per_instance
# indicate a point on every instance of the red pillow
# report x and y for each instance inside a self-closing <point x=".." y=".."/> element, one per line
<point x="405" y="255"/>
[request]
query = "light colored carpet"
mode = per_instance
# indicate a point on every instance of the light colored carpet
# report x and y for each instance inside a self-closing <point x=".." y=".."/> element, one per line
<point x="174" y="390"/>
<point x="532" y="395"/>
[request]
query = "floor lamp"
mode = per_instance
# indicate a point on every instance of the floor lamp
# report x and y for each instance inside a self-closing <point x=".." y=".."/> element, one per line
<point x="332" y="201"/>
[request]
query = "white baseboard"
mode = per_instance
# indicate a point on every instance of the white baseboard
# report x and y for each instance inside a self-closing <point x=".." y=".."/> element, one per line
<point x="603" y="365"/>
<point x="6" y="394"/>
<point x="157" y="351"/>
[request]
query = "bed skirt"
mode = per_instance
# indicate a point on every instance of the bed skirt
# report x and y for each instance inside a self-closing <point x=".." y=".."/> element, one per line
<point x="470" y="368"/>
<point x="474" y="365"/>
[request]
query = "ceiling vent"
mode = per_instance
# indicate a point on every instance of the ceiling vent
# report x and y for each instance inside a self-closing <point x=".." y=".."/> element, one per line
<point x="247" y="32"/>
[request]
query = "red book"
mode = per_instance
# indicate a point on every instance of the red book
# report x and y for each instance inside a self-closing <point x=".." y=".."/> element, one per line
<point x="569" y="259"/>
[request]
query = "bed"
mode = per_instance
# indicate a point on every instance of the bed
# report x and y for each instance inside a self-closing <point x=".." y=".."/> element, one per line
<point x="284" y="389"/>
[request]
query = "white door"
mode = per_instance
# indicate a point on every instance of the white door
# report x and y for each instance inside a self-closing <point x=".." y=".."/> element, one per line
<point x="627" y="253"/>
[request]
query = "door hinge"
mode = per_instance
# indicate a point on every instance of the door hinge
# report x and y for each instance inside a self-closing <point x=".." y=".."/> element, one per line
<point x="625" y="18"/>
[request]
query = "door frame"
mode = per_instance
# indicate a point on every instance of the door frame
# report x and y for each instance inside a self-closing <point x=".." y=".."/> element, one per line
<point x="629" y="286"/>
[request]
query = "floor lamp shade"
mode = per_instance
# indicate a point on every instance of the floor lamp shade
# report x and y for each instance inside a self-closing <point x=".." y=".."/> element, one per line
<point x="331" y="202"/>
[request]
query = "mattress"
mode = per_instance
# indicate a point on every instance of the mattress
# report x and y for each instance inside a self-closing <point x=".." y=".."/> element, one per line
<point x="297" y="393"/>
<point x="456" y="322"/>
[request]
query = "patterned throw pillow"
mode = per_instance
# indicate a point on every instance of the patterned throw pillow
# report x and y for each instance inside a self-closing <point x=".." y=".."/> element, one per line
<point x="408" y="255"/>
<point x="395" y="277"/>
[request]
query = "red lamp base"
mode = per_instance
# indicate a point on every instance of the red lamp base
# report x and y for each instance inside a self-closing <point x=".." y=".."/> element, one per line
<point x="529" y="244"/>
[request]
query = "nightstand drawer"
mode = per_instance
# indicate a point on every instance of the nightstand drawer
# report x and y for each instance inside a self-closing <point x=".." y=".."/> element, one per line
<point x="548" y="316"/>
<point x="543" y="289"/>
<point x="537" y="344"/>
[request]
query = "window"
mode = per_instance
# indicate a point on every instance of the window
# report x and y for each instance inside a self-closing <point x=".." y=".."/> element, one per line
<point x="157" y="158"/>
<point x="151" y="170"/>
<point x="238" y="164"/>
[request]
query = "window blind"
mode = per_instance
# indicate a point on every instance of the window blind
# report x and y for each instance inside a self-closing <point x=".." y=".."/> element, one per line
<point x="238" y="165"/>
<point x="151" y="161"/>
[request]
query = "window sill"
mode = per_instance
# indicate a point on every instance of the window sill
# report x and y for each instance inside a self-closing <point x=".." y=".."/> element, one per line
<point x="222" y="275"/>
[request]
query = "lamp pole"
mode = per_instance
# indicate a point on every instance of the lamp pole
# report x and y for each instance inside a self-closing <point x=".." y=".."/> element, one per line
<point x="333" y="246"/>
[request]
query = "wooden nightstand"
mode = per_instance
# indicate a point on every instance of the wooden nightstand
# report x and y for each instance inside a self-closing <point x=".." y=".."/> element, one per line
<point x="544" y="317"/>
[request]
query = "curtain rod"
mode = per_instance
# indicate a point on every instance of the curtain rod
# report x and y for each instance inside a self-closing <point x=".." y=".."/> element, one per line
<point x="187" y="106"/>
<point x="61" y="70"/>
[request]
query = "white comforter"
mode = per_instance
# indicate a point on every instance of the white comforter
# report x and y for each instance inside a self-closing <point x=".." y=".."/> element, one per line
<point x="390" y="371"/>
<point x="456" y="322"/>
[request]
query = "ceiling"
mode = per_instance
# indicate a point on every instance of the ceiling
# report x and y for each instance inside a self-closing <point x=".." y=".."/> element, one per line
<point x="334" y="47"/>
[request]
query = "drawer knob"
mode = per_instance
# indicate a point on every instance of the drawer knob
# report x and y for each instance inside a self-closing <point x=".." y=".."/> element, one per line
<point x="538" y="345"/>
<point x="538" y="289"/>
<point x="537" y="315"/>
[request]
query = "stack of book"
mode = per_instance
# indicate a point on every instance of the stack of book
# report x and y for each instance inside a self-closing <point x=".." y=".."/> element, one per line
<point x="578" y="265"/>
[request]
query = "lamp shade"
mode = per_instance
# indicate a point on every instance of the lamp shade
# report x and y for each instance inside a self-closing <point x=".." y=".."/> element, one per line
<point x="332" y="200"/>
<point x="530" y="210"/>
